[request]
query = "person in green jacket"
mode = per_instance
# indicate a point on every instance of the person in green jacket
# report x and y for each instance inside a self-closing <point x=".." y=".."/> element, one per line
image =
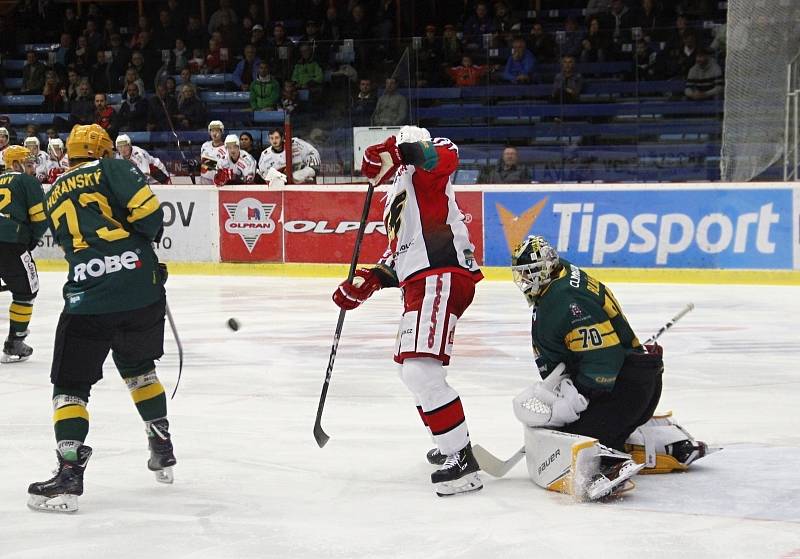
<point x="307" y="72"/>
<point x="105" y="218"/>
<point x="264" y="90"/>
<point x="22" y="224"/>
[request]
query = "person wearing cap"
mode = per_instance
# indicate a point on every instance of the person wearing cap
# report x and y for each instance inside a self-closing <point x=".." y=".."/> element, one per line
<point x="211" y="152"/>
<point x="258" y="40"/>
<point x="39" y="158"/>
<point x="237" y="166"/>
<point x="451" y="46"/>
<point x="151" y="167"/>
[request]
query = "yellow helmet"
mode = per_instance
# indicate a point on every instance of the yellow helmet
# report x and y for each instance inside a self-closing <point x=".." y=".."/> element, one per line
<point x="89" y="141"/>
<point x="16" y="154"/>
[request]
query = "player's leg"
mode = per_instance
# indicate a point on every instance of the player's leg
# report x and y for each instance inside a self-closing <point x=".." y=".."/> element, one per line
<point x="20" y="275"/>
<point x="432" y="307"/>
<point x="81" y="346"/>
<point x="137" y="344"/>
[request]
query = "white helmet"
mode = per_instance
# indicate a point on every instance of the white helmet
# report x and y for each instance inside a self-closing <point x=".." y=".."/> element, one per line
<point x="216" y="124"/>
<point x="231" y="139"/>
<point x="31" y="140"/>
<point x="123" y="140"/>
<point x="4" y="132"/>
<point x="411" y="134"/>
<point x="55" y="143"/>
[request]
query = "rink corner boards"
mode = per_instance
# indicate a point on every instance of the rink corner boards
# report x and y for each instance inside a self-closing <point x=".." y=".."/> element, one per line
<point x="492" y="273"/>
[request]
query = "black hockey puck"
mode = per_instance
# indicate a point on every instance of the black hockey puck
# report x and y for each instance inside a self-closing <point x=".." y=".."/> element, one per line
<point x="233" y="324"/>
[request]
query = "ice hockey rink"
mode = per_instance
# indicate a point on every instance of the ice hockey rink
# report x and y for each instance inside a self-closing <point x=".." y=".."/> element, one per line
<point x="251" y="481"/>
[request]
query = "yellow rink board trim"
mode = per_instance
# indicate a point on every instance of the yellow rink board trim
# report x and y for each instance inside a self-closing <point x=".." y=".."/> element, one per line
<point x="609" y="275"/>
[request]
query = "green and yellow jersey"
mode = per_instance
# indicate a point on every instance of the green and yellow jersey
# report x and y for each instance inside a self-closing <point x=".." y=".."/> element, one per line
<point x="22" y="218"/>
<point x="105" y="217"/>
<point x="578" y="321"/>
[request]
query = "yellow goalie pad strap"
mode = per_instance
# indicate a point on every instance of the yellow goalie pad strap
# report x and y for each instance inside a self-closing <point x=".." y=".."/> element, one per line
<point x="70" y="412"/>
<point x="665" y="463"/>
<point x="147" y="392"/>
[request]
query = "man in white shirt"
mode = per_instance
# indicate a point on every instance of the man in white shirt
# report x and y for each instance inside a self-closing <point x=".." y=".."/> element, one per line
<point x="150" y="166"/>
<point x="305" y="158"/>
<point x="237" y="167"/>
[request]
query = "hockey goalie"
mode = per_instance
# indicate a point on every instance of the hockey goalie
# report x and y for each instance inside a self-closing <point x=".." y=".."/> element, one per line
<point x="590" y="423"/>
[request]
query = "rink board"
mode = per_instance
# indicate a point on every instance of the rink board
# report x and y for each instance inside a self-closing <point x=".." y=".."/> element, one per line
<point x="663" y="229"/>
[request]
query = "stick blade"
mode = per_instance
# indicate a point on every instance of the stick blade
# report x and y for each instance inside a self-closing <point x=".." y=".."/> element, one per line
<point x="320" y="436"/>
<point x="492" y="465"/>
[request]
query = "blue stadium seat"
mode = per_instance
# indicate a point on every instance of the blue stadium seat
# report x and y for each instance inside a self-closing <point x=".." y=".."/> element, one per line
<point x="454" y="112"/>
<point x="13" y="83"/>
<point x="12" y="64"/>
<point x="22" y="119"/>
<point x="225" y="96"/>
<point x="268" y="117"/>
<point x="21" y="100"/>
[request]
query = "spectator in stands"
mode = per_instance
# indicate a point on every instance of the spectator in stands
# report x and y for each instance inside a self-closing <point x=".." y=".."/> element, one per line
<point x="280" y="53"/>
<point x="104" y="115"/>
<point x="247" y="69"/>
<point x="507" y="171"/>
<point x="467" y="74"/>
<point x="429" y="59"/>
<point x="477" y="25"/>
<point x="73" y="80"/>
<point x="165" y="30"/>
<point x="109" y="28"/>
<point x="307" y="72"/>
<point x="132" y="114"/>
<point x="177" y="14"/>
<point x="451" y="46"/>
<point x="160" y="107"/>
<point x="705" y="78"/>
<point x="392" y="108"/>
<point x="120" y="58"/>
<point x="520" y="64"/>
<point x="597" y="7"/>
<point x="644" y="60"/>
<point x="357" y="28"/>
<point x="542" y="45"/>
<point x="135" y="42"/>
<point x="332" y="28"/>
<point x="570" y="42"/>
<point x="185" y="76"/>
<point x="568" y="83"/>
<point x="197" y="64"/>
<point x="55" y="97"/>
<point x="595" y="45"/>
<point x="265" y="91"/>
<point x="649" y="17"/>
<point x="178" y="57"/>
<point x="620" y="21"/>
<point x="146" y="65"/>
<point x="131" y="76"/>
<point x="81" y="109"/>
<point x="290" y="100"/>
<point x="84" y="57"/>
<point x="172" y="90"/>
<point x="506" y="24"/>
<point x="33" y="74"/>
<point x="70" y="23"/>
<point x="65" y="54"/>
<point x="213" y="60"/>
<point x="99" y="76"/>
<point x="191" y="110"/>
<point x="259" y="41"/>
<point x="364" y="103"/>
<point x="313" y="37"/>
<point x="677" y="61"/>
<point x="195" y="35"/>
<point x="93" y="35"/>
<point x="216" y="18"/>
<point x="230" y="34"/>
<point x="247" y="144"/>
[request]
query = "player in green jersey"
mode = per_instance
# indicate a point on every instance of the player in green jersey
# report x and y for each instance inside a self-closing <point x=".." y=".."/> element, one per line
<point x="22" y="224"/>
<point x="105" y="217"/>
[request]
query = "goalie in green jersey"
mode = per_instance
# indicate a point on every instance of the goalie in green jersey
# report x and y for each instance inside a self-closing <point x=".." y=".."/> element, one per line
<point x="105" y="217"/>
<point x="607" y="384"/>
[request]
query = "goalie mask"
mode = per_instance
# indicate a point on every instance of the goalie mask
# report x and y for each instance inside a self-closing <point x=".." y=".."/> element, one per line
<point x="532" y="265"/>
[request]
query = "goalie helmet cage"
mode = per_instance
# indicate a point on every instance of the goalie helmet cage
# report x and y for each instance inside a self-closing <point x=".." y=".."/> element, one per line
<point x="761" y="42"/>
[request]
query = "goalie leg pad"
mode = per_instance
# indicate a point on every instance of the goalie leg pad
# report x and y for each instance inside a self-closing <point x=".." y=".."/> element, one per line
<point x="663" y="446"/>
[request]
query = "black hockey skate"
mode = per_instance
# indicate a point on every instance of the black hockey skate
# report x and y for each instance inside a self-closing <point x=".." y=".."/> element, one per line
<point x="162" y="457"/>
<point x="15" y="351"/>
<point x="435" y="457"/>
<point x="60" y="493"/>
<point x="458" y="474"/>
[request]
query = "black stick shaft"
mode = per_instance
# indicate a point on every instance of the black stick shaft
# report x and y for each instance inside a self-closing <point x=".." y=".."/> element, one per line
<point x="319" y="434"/>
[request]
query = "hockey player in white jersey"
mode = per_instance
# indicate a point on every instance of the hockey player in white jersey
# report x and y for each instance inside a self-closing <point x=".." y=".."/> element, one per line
<point x="305" y="158"/>
<point x="4" y="139"/>
<point x="40" y="158"/>
<point x="211" y="152"/>
<point x="430" y="257"/>
<point x="237" y="167"/>
<point x="150" y="166"/>
<point x="57" y="161"/>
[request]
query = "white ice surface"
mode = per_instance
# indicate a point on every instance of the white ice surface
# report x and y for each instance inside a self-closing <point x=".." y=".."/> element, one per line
<point x="251" y="482"/>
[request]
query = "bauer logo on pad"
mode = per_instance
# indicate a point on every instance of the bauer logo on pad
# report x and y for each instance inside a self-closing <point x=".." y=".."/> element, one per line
<point x="249" y="218"/>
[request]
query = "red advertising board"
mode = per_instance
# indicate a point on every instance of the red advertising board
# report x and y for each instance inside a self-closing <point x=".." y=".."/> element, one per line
<point x="321" y="227"/>
<point x="249" y="226"/>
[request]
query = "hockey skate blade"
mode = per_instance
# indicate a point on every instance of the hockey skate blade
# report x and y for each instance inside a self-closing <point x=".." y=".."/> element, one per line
<point x="59" y="503"/>
<point x="165" y="475"/>
<point x="5" y="358"/>
<point x="604" y="487"/>
<point x="466" y="484"/>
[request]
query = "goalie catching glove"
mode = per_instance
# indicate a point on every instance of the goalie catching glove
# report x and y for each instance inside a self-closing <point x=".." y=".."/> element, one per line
<point x="552" y="402"/>
<point x="365" y="282"/>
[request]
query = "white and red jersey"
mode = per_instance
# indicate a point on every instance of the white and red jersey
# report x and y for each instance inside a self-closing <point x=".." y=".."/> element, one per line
<point x="303" y="155"/>
<point x="42" y="165"/>
<point x="244" y="168"/>
<point x="62" y="164"/>
<point x="209" y="156"/>
<point x="142" y="159"/>
<point x="2" y="155"/>
<point x="426" y="229"/>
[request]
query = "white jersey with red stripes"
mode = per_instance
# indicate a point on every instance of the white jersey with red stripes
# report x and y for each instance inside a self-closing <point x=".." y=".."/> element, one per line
<point x="142" y="159"/>
<point x="244" y="168"/>
<point x="426" y="229"/>
<point x="209" y="156"/>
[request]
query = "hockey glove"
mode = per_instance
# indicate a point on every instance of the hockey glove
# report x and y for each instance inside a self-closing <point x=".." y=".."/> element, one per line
<point x="350" y="294"/>
<point x="223" y="177"/>
<point x="53" y="174"/>
<point x="163" y="273"/>
<point x="371" y="163"/>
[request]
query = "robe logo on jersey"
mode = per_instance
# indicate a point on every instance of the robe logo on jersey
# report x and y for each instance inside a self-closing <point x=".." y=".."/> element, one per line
<point x="250" y="218"/>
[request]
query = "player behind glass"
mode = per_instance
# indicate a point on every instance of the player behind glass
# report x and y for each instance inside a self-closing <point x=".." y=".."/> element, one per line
<point x="22" y="224"/>
<point x="237" y="167"/>
<point x="40" y="159"/>
<point x="305" y="158"/>
<point x="150" y="166"/>
<point x="105" y="217"/>
<point x="58" y="161"/>
<point x="4" y="139"/>
<point x="611" y="384"/>
<point x="211" y="152"/>
<point x="430" y="257"/>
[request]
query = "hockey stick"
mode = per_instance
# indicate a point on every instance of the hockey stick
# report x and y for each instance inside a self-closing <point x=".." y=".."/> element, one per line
<point x="386" y="164"/>
<point x="180" y="349"/>
<point x="496" y="467"/>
